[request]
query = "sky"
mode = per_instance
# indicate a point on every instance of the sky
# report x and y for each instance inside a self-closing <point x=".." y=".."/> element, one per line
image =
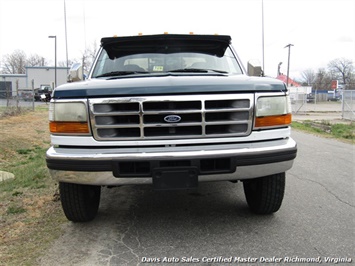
<point x="320" y="30"/>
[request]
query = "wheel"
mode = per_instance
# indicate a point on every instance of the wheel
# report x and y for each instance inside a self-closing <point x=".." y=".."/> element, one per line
<point x="80" y="203"/>
<point x="264" y="195"/>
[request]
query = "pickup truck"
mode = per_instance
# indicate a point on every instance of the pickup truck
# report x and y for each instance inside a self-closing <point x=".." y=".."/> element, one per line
<point x="171" y="111"/>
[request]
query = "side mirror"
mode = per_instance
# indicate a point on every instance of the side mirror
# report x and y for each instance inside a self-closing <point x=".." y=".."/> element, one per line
<point x="255" y="70"/>
<point x="75" y="73"/>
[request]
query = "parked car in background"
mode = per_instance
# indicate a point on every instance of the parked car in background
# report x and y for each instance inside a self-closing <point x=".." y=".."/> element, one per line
<point x="310" y="98"/>
<point x="43" y="93"/>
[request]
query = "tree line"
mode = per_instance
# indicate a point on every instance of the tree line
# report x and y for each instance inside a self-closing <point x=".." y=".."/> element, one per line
<point x="17" y="61"/>
<point x="340" y="69"/>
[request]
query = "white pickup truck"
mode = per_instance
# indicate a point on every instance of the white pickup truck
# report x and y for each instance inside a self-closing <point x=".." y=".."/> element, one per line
<point x="171" y="111"/>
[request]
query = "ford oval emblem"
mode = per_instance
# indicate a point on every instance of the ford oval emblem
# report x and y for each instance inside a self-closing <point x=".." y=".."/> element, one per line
<point x="172" y="119"/>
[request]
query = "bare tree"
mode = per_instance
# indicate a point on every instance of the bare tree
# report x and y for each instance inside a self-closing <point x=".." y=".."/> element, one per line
<point x="342" y="68"/>
<point x="308" y="76"/>
<point x="88" y="57"/>
<point x="36" y="60"/>
<point x="351" y="84"/>
<point x="64" y="63"/>
<point x="322" y="80"/>
<point x="14" y="63"/>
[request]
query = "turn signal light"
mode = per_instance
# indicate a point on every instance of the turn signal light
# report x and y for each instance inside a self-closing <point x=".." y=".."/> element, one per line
<point x="274" y="120"/>
<point x="56" y="127"/>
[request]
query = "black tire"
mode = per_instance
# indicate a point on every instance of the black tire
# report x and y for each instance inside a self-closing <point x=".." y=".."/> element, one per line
<point x="264" y="195"/>
<point x="80" y="203"/>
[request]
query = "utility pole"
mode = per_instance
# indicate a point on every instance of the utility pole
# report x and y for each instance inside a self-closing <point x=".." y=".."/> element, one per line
<point x="288" y="63"/>
<point x="55" y="59"/>
<point x="66" y="37"/>
<point x="262" y="29"/>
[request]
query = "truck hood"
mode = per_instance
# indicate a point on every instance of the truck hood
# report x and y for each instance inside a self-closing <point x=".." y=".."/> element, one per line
<point x="143" y="85"/>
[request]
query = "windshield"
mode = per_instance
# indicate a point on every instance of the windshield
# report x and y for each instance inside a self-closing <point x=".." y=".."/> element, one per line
<point x="155" y="63"/>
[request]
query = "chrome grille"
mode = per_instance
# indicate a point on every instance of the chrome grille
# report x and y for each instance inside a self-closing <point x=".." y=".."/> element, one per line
<point x="199" y="116"/>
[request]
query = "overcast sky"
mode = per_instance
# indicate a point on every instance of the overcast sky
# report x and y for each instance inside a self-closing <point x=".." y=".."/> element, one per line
<point x="320" y="30"/>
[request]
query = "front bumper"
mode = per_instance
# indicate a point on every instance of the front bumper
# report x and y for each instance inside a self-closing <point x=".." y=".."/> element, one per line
<point x="114" y="166"/>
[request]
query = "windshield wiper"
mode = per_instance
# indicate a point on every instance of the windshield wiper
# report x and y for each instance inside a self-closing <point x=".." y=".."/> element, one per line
<point x="218" y="71"/>
<point x="198" y="70"/>
<point x="120" y="73"/>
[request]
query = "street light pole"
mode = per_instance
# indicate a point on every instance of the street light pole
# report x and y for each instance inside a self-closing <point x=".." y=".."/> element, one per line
<point x="288" y="63"/>
<point x="55" y="59"/>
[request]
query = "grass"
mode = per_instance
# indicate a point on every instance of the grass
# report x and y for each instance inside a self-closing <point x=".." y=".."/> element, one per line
<point x="345" y="132"/>
<point x="29" y="169"/>
<point x="13" y="111"/>
<point x="13" y="209"/>
<point x="30" y="213"/>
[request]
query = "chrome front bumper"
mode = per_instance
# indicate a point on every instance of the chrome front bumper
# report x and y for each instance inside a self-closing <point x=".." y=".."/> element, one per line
<point x="96" y="166"/>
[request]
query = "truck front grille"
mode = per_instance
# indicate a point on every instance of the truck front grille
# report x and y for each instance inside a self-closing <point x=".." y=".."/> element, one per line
<point x="171" y="117"/>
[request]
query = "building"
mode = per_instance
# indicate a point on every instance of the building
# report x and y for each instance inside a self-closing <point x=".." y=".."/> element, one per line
<point x="33" y="79"/>
<point x="291" y="82"/>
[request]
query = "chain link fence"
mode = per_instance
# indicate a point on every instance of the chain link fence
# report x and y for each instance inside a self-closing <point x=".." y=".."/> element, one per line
<point x="319" y="102"/>
<point x="14" y="100"/>
<point x="348" y="105"/>
<point x="11" y="102"/>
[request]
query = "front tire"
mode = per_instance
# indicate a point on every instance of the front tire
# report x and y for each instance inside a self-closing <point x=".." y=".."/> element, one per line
<point x="264" y="195"/>
<point x="80" y="203"/>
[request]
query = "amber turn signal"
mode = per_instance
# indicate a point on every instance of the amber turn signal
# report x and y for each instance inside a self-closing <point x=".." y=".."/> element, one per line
<point x="68" y="127"/>
<point x="274" y="120"/>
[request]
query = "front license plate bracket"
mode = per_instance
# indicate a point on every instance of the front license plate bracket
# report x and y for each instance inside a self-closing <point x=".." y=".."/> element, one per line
<point x="175" y="178"/>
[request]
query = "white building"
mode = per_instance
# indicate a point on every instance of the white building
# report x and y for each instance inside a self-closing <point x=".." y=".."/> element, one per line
<point x="33" y="79"/>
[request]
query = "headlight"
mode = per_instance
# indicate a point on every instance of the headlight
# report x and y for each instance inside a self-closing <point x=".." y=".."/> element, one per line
<point x="68" y="117"/>
<point x="273" y="111"/>
<point x="67" y="112"/>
